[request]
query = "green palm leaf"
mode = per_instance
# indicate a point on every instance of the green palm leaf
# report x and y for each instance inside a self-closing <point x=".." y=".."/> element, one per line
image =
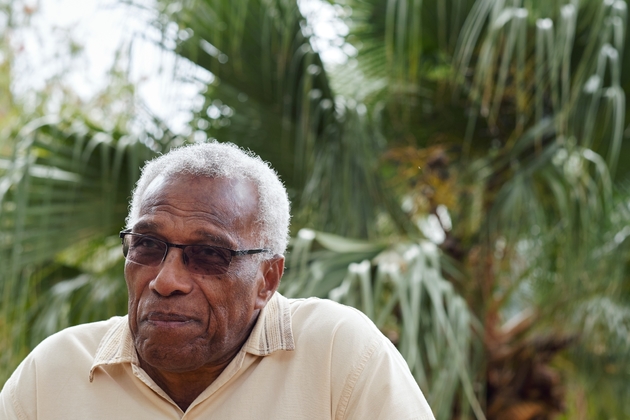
<point x="64" y="186"/>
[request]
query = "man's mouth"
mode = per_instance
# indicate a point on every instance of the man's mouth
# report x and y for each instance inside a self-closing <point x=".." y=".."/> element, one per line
<point x="168" y="319"/>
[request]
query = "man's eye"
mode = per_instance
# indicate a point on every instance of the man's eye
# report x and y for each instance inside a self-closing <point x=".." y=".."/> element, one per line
<point x="209" y="251"/>
<point x="147" y="243"/>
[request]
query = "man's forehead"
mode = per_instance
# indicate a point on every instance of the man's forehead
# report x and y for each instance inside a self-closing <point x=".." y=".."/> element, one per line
<point x="228" y="203"/>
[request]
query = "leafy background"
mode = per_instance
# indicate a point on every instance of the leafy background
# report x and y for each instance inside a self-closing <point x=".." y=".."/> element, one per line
<point x="462" y="178"/>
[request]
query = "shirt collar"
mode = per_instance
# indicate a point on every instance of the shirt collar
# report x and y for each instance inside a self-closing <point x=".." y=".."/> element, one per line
<point x="115" y="347"/>
<point x="272" y="332"/>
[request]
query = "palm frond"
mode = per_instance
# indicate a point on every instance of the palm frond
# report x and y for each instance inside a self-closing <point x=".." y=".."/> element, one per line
<point x="61" y="185"/>
<point x="272" y="95"/>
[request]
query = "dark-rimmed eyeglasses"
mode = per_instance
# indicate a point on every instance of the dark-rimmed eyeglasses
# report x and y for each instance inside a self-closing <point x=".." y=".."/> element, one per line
<point x="199" y="259"/>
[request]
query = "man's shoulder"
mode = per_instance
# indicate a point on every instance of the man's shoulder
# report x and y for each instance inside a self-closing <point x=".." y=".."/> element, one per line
<point x="81" y="339"/>
<point x="368" y="376"/>
<point x="327" y="310"/>
<point x="325" y="320"/>
<point x="52" y="374"/>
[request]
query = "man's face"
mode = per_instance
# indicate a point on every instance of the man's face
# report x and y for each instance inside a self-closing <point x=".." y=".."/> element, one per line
<point x="183" y="321"/>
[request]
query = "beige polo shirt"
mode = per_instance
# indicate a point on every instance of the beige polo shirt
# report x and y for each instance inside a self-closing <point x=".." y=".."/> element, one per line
<point x="305" y="359"/>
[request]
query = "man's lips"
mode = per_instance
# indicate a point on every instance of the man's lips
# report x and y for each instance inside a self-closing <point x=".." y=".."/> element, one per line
<point x="169" y="319"/>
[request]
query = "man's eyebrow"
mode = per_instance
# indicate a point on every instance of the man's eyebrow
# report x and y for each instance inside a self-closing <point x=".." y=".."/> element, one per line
<point x="145" y="225"/>
<point x="217" y="240"/>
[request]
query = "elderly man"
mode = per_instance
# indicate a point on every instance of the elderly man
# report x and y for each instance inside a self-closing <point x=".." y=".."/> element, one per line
<point x="207" y="336"/>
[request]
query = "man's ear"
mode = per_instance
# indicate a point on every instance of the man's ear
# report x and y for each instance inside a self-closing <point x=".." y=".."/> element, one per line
<point x="271" y="271"/>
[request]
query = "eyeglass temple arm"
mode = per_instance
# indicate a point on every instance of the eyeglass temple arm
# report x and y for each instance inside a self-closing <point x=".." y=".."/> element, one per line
<point x="251" y="251"/>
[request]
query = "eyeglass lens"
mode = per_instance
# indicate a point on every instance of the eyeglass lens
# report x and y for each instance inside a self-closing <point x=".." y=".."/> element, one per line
<point x="200" y="259"/>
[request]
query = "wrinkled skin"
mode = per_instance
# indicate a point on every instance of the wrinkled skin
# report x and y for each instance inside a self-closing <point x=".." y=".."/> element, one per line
<point x="188" y="327"/>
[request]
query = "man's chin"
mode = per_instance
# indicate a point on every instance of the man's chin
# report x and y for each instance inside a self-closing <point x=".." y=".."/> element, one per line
<point x="172" y="350"/>
<point x="174" y="360"/>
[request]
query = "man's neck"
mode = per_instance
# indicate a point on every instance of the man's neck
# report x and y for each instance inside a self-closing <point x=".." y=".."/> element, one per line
<point x="184" y="387"/>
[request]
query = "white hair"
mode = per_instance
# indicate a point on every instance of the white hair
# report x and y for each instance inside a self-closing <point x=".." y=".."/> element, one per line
<point x="225" y="160"/>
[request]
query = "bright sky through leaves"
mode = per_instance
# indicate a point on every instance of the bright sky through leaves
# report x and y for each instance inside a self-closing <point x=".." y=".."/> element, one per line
<point x="77" y="42"/>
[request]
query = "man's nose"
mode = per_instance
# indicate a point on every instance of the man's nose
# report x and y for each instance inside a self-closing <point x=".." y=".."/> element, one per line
<point x="173" y="277"/>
